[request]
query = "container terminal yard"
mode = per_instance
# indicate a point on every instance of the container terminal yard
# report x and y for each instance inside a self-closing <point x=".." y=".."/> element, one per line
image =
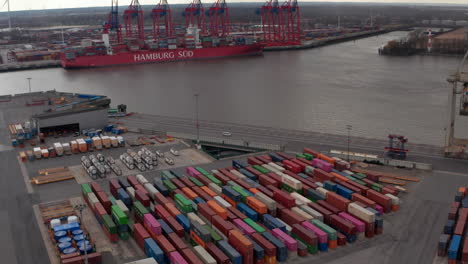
<point x="341" y="213"/>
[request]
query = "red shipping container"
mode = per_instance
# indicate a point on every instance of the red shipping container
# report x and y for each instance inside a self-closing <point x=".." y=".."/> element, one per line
<point x="240" y="243"/>
<point x="321" y="175"/>
<point x="238" y="213"/>
<point x="311" y="151"/>
<point x="329" y="207"/>
<point x="190" y="257"/>
<point x="380" y="199"/>
<point x="132" y="181"/>
<point x="363" y="189"/>
<point x="172" y="209"/>
<point x="290" y="217"/>
<point x="373" y="177"/>
<point x="112" y="237"/>
<point x="179" y="184"/>
<point x="140" y="234"/>
<point x="217" y="254"/>
<point x="143" y="198"/>
<point x="337" y="201"/>
<point x="461" y="222"/>
<point x="284" y="155"/>
<point x="386" y="190"/>
<point x="356" y="197"/>
<point x="265" y="191"/>
<point x="178" y="229"/>
<point x="99" y="209"/>
<point x="369" y="182"/>
<point x="394" y="189"/>
<point x="206" y="211"/>
<point x="203" y="179"/>
<point x="243" y="184"/>
<point x="104" y="199"/>
<point x="187" y="182"/>
<point x="230" y="215"/>
<point x="341" y="238"/>
<point x="325" y="212"/>
<point x="300" y="164"/>
<point x="370" y="230"/>
<point x="222" y="225"/>
<point x="350" y="186"/>
<point x="292" y="166"/>
<point x="284" y="198"/>
<point x="270" y="249"/>
<point x="253" y="171"/>
<point x="176" y="241"/>
<point x="275" y="177"/>
<point x="202" y="193"/>
<point x="265" y="180"/>
<point x="161" y="212"/>
<point x="342" y="224"/>
<point x="308" y="162"/>
<point x="263" y="159"/>
<point x="305" y="234"/>
<point x="464" y="255"/>
<point x="164" y="244"/>
<point x="96" y="187"/>
<point x="224" y="179"/>
<point x="141" y="188"/>
<point x="114" y="185"/>
<point x="161" y="199"/>
<point x="254" y="161"/>
<point x="226" y="173"/>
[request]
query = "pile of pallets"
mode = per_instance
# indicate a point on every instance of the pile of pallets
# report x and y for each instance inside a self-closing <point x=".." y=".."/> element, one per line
<point x="52" y="175"/>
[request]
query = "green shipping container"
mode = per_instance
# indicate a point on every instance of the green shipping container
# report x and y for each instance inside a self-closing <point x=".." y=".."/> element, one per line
<point x="254" y="225"/>
<point x="310" y="248"/>
<point x="109" y="224"/>
<point x="124" y="235"/>
<point x="130" y="226"/>
<point x="85" y="188"/>
<point x="202" y="171"/>
<point x="359" y="175"/>
<point x="332" y="235"/>
<point x="119" y="215"/>
<point x="300" y="156"/>
<point x="375" y="188"/>
<point x="214" y="179"/>
<point x="214" y="235"/>
<point x="112" y="199"/>
<point x="140" y="209"/>
<point x="169" y="185"/>
<point x="167" y="175"/>
<point x="351" y="178"/>
<point x="241" y="191"/>
<point x="196" y="182"/>
<point x="361" y="182"/>
<point x="183" y="204"/>
<point x="308" y="156"/>
<point x="261" y="169"/>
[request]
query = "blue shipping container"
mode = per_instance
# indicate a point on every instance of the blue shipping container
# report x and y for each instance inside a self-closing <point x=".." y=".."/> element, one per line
<point x="184" y="222"/>
<point x="198" y="200"/>
<point x="243" y="208"/>
<point x="275" y="158"/>
<point x="248" y="174"/>
<point x="166" y="229"/>
<point x="271" y="223"/>
<point x="239" y="164"/>
<point x="281" y="250"/>
<point x="343" y="191"/>
<point x="232" y="194"/>
<point x="454" y="247"/>
<point x="123" y="195"/>
<point x="124" y="183"/>
<point x="152" y="250"/>
<point x="232" y="254"/>
<point x="331" y="186"/>
<point x="161" y="188"/>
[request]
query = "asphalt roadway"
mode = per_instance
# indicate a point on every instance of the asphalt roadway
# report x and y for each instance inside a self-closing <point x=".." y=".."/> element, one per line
<point x="410" y="236"/>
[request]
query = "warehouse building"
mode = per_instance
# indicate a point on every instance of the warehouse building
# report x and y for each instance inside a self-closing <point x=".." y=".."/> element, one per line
<point x="74" y="117"/>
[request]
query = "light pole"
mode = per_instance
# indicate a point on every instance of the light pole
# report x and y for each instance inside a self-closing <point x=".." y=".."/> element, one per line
<point x="196" y="115"/>
<point x="29" y="81"/>
<point x="81" y="207"/>
<point x="349" y="127"/>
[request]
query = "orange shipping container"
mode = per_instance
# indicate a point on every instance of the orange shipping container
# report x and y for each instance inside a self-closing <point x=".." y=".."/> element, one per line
<point x="253" y="190"/>
<point x="209" y="191"/>
<point x="217" y="209"/>
<point x="255" y="204"/>
<point x="197" y="239"/>
<point x="327" y="159"/>
<point x="172" y="209"/>
<point x="190" y="194"/>
<point x="339" y="177"/>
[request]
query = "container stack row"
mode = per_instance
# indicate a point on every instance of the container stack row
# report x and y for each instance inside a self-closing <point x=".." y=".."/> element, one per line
<point x="268" y="209"/>
<point x="452" y="242"/>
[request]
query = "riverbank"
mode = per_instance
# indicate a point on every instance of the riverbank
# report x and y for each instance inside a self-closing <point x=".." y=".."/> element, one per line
<point x="8" y="67"/>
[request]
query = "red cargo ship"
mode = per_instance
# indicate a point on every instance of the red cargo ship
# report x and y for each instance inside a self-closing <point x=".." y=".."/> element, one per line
<point x="149" y="56"/>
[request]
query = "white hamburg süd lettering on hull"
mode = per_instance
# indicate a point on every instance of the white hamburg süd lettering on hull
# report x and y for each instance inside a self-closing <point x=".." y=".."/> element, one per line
<point x="155" y="56"/>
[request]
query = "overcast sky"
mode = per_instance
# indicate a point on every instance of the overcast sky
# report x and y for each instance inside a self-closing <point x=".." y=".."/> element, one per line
<point x="51" y="4"/>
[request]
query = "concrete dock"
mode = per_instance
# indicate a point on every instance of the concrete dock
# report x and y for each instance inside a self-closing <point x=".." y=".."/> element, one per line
<point x="410" y="235"/>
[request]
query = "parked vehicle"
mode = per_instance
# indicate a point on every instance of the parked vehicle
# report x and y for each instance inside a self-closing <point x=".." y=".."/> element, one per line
<point x="174" y="152"/>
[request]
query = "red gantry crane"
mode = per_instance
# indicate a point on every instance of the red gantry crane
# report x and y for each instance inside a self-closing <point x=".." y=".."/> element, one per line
<point x="219" y="19"/>
<point x="134" y="13"/>
<point x="195" y="15"/>
<point x="162" y="16"/>
<point x="291" y="22"/>
<point x="281" y="24"/>
<point x="112" y="23"/>
<point x="271" y="21"/>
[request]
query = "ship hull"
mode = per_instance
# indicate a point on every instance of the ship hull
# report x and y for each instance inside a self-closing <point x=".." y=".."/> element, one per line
<point x="148" y="56"/>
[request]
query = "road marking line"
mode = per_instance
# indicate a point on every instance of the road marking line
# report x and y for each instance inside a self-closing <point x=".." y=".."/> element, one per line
<point x="25" y="176"/>
<point x="452" y="173"/>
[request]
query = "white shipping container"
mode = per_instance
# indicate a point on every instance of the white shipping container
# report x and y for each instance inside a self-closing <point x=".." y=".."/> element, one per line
<point x="319" y="184"/>
<point x="277" y="167"/>
<point x="193" y="217"/>
<point x="300" y="198"/>
<point x="270" y="203"/>
<point x="215" y="188"/>
<point x="204" y="255"/>
<point x="58" y="148"/>
<point x="151" y="189"/>
<point x="214" y="171"/>
<point x="361" y="213"/>
<point x="92" y="199"/>
<point x="290" y="181"/>
<point x="106" y="142"/>
<point x="37" y="152"/>
<point x="302" y="213"/>
<point x="238" y="174"/>
<point x="348" y="172"/>
<point x="222" y="202"/>
<point x="123" y="207"/>
<point x="270" y="168"/>
<point x="322" y="191"/>
<point x="97" y="142"/>
<point x="141" y="179"/>
<point x="131" y="192"/>
<point x="395" y="200"/>
<point x="114" y="142"/>
<point x="144" y="261"/>
<point x="312" y="212"/>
